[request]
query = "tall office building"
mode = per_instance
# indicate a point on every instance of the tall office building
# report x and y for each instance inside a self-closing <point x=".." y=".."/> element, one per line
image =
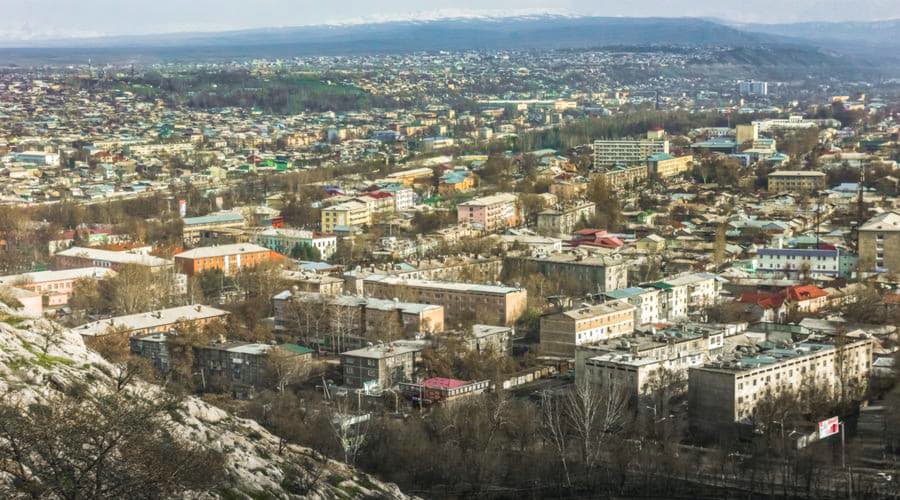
<point x="751" y="87"/>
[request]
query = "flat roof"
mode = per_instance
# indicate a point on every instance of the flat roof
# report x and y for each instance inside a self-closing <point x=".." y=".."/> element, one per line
<point x="152" y="319"/>
<point x="115" y="257"/>
<point x="64" y="274"/>
<point x="442" y="285"/>
<point x="222" y="250"/>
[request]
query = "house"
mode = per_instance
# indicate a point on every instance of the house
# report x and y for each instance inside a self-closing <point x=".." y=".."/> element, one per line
<point x="652" y="243"/>
<point x="805" y="298"/>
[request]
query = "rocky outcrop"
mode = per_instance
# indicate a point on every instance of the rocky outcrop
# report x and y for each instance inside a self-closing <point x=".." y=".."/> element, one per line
<point x="38" y="358"/>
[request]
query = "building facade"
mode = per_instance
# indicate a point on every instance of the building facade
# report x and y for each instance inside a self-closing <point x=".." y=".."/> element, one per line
<point x="227" y="258"/>
<point x="796" y="181"/>
<point x="879" y="244"/>
<point x="490" y="212"/>
<point x="626" y="152"/>
<point x="562" y="332"/>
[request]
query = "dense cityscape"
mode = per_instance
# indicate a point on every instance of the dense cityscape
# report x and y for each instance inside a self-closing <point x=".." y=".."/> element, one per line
<point x="656" y="271"/>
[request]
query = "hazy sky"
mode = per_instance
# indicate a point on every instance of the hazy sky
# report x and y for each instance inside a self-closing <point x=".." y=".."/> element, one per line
<point x="43" y="18"/>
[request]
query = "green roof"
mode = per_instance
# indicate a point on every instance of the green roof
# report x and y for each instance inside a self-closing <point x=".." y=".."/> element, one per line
<point x="299" y="349"/>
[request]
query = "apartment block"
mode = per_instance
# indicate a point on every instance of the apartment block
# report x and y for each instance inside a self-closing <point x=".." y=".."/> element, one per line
<point x="55" y="287"/>
<point x="723" y="393"/>
<point x="284" y="240"/>
<point x="646" y="302"/>
<point x="490" y="212"/>
<point x="583" y="274"/>
<point x="345" y="216"/>
<point x="796" y="262"/>
<point x="381" y="366"/>
<point x="562" y="222"/>
<point x="462" y="302"/>
<point x="687" y="293"/>
<point x="665" y="166"/>
<point x="359" y="319"/>
<point x="625" y="152"/>
<point x="624" y="176"/>
<point x="796" y="181"/>
<point x="634" y="361"/>
<point x="78" y="257"/>
<point x="228" y="258"/>
<point x="879" y="243"/>
<point x="562" y="332"/>
<point x="161" y="321"/>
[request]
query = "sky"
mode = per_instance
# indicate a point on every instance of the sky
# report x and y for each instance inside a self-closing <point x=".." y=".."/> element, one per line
<point x="40" y="19"/>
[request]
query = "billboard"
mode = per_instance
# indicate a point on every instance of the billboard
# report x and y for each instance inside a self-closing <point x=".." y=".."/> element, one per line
<point x="829" y="427"/>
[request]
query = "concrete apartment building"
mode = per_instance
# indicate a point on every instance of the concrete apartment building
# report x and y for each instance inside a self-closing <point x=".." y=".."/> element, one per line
<point x="746" y="133"/>
<point x="633" y="361"/>
<point x="78" y="257"/>
<point x="665" y="166"/>
<point x="686" y="293"/>
<point x="462" y="302"/>
<point x="795" y="262"/>
<point x="490" y="212"/>
<point x="622" y="176"/>
<point x="362" y="319"/>
<point x="161" y="321"/>
<point x="285" y="240"/>
<point x="586" y="274"/>
<point x="879" y="244"/>
<point x="561" y="223"/>
<point x="228" y="258"/>
<point x="345" y="217"/>
<point x="242" y="366"/>
<point x="646" y="302"/>
<point x="796" y="181"/>
<point x="55" y="286"/>
<point x="562" y="332"/>
<point x="626" y="152"/>
<point x="721" y="394"/>
<point x="313" y="282"/>
<point x="381" y="366"/>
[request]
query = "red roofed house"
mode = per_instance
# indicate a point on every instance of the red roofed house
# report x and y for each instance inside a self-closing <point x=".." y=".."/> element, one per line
<point x="438" y="389"/>
<point x="595" y="238"/>
<point x="805" y="298"/>
<point x="770" y="304"/>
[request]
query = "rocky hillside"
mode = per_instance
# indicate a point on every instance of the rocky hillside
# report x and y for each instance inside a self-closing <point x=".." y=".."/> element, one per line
<point x="35" y="364"/>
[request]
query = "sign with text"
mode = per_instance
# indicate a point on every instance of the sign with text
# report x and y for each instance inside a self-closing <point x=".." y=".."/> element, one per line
<point x="829" y="427"/>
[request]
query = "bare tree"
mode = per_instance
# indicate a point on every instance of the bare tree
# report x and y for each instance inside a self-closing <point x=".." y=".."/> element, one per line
<point x="350" y="429"/>
<point x="284" y="368"/>
<point x="554" y="430"/>
<point x="593" y="413"/>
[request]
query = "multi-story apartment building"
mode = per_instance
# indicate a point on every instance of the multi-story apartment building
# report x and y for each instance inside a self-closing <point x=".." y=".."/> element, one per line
<point x="721" y="393"/>
<point x="645" y="301"/>
<point x="634" y="362"/>
<point x="561" y="223"/>
<point x="409" y="177"/>
<point x="358" y="319"/>
<point x="687" y="293"/>
<point x="490" y="212"/>
<point x="879" y="243"/>
<point x="240" y="366"/>
<point x="796" y="181"/>
<point x="664" y="165"/>
<point x="345" y="216"/>
<point x="754" y="88"/>
<point x="562" y="332"/>
<point x="381" y="366"/>
<point x="626" y="152"/>
<point x="583" y="274"/>
<point x="745" y="133"/>
<point x="284" y="241"/>
<point x="78" y="257"/>
<point x="55" y="286"/>
<point x="621" y="176"/>
<point x="313" y="282"/>
<point x="795" y="262"/>
<point x="161" y="321"/>
<point x="228" y="258"/>
<point x="463" y="302"/>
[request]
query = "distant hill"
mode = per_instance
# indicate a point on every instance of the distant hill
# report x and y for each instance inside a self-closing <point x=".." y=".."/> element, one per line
<point x="763" y="44"/>
<point x="871" y="37"/>
<point x="547" y="31"/>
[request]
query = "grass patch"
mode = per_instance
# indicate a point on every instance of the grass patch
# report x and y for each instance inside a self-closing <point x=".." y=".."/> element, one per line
<point x="43" y="359"/>
<point x="11" y="319"/>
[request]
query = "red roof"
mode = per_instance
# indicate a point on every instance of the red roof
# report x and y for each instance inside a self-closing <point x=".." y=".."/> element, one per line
<point x="379" y="194"/>
<point x="762" y="299"/>
<point x="443" y="383"/>
<point x="590" y="232"/>
<point x="800" y="293"/>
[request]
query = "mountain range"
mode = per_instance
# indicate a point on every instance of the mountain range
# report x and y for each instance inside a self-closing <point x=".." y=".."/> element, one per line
<point x="523" y="32"/>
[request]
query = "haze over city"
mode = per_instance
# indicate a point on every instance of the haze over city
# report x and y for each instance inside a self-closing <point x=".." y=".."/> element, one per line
<point x="35" y="19"/>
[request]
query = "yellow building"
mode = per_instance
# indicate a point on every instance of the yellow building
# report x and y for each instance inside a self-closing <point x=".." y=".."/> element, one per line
<point x="347" y="215"/>
<point x="664" y="165"/>
<point x="795" y="181"/>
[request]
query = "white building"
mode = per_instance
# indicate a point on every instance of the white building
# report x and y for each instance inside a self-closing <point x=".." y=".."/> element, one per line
<point x="624" y="152"/>
<point x="283" y="240"/>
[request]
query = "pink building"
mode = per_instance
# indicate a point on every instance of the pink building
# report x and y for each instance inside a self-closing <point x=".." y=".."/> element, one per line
<point x="54" y="287"/>
<point x="490" y="212"/>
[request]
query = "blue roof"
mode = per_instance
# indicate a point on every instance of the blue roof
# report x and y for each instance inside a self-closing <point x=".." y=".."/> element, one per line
<point x="624" y="293"/>
<point x="660" y="157"/>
